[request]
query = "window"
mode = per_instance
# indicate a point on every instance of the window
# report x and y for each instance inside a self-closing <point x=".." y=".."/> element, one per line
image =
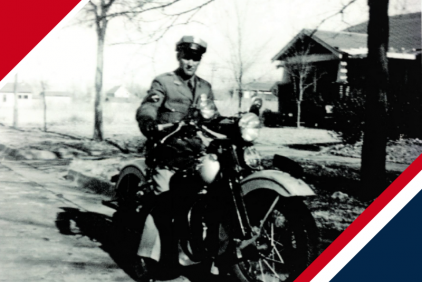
<point x="4" y="98"/>
<point x="25" y="96"/>
<point x="19" y="96"/>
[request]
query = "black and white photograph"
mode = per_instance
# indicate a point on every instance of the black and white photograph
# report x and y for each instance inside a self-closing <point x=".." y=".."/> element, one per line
<point x="207" y="140"/>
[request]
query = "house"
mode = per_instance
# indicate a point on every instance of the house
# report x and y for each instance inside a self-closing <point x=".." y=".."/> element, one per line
<point x="263" y="90"/>
<point x="7" y="96"/>
<point x="336" y="66"/>
<point x="119" y="93"/>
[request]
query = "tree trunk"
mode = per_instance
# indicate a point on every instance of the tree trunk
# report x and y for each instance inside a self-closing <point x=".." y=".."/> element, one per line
<point x="299" y="102"/>
<point x="98" y="123"/>
<point x="298" y="114"/>
<point x="373" y="174"/>
<point x="240" y="100"/>
<point x="44" y="110"/>
<point x="15" y="104"/>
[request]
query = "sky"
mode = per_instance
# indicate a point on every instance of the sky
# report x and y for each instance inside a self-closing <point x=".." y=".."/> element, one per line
<point x="67" y="61"/>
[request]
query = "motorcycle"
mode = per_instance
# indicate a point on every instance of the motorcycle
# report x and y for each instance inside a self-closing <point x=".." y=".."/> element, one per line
<point x="237" y="218"/>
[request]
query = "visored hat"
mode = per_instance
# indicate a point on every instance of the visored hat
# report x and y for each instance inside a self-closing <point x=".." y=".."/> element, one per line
<point x="192" y="43"/>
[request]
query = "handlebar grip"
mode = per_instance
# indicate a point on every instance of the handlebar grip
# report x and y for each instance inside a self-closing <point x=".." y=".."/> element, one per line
<point x="161" y="127"/>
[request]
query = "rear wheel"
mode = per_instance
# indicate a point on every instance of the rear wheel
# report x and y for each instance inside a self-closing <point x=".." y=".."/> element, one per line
<point x="287" y="241"/>
<point x="127" y="188"/>
<point x="128" y="199"/>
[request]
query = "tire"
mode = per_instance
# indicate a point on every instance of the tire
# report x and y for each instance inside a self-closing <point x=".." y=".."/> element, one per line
<point x="144" y="269"/>
<point x="293" y="244"/>
<point x="127" y="186"/>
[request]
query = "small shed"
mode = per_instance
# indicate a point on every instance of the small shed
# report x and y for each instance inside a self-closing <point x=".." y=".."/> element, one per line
<point x="118" y="91"/>
<point x="23" y="90"/>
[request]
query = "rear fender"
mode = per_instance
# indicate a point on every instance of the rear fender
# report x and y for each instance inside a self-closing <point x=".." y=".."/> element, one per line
<point x="278" y="181"/>
<point x="139" y="164"/>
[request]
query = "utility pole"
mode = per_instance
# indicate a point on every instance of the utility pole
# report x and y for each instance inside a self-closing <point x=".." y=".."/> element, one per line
<point x="43" y="87"/>
<point x="15" y="104"/>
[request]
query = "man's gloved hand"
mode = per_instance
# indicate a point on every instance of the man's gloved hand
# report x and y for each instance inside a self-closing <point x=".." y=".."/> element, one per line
<point x="148" y="127"/>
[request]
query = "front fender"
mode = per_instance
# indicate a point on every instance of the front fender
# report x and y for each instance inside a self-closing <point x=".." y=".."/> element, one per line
<point x="281" y="182"/>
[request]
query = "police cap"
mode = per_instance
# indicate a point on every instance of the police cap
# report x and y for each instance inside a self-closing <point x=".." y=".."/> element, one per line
<point x="191" y="43"/>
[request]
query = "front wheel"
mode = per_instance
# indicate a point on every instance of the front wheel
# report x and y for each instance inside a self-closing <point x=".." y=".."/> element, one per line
<point x="287" y="241"/>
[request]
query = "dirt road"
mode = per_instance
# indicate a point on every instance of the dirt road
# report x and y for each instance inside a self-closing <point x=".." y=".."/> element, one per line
<point x="51" y="231"/>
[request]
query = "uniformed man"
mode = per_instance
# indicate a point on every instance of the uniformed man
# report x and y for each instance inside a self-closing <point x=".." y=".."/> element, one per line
<point x="172" y="97"/>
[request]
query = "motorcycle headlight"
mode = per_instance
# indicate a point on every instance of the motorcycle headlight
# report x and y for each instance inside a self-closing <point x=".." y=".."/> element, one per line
<point x="252" y="157"/>
<point x="207" y="107"/>
<point x="249" y="127"/>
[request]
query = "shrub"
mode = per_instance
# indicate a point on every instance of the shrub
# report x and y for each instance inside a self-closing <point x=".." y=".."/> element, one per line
<point x="348" y="117"/>
<point x="272" y="119"/>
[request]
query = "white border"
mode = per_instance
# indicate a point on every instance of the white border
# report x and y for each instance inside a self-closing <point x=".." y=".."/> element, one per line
<point x="61" y="24"/>
<point x="370" y="230"/>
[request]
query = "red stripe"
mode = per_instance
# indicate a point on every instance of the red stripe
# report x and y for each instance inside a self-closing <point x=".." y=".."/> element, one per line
<point x="23" y="24"/>
<point x="360" y="222"/>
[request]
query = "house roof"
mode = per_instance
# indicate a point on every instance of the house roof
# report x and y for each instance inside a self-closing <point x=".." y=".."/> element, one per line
<point x="53" y="94"/>
<point x="22" y="88"/>
<point x="340" y="39"/>
<point x="57" y="94"/>
<point x="405" y="31"/>
<point x="405" y="38"/>
<point x="113" y="89"/>
<point x="259" y="86"/>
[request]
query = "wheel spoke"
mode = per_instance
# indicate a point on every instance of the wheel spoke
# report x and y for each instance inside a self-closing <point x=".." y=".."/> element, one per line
<point x="268" y="237"/>
<point x="275" y="273"/>
<point x="272" y="260"/>
<point x="272" y="234"/>
<point x="262" y="271"/>
<point x="278" y="254"/>
<point x="268" y="212"/>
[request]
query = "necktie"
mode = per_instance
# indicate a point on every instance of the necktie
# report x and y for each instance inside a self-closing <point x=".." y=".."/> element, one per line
<point x="191" y="86"/>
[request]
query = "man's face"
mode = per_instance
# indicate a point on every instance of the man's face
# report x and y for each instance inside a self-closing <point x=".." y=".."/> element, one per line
<point x="189" y="62"/>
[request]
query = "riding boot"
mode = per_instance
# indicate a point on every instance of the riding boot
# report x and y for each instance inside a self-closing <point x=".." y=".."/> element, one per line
<point x="163" y="218"/>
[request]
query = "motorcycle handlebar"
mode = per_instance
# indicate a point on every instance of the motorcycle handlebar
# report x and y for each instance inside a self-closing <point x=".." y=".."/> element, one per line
<point x="161" y="127"/>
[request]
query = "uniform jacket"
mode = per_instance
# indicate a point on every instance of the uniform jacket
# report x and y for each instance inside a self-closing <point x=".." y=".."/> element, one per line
<point x="169" y="98"/>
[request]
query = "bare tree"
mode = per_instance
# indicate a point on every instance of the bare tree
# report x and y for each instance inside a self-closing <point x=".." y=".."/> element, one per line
<point x="373" y="170"/>
<point x="373" y="173"/>
<point x="243" y="52"/>
<point x="299" y="68"/>
<point x="101" y="12"/>
<point x="43" y="85"/>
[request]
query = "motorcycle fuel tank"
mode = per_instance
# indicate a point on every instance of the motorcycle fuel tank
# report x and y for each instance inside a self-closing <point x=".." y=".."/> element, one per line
<point x="209" y="168"/>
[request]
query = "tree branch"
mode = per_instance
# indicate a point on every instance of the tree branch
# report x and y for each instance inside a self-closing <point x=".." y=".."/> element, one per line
<point x="341" y="11"/>
<point x="197" y="8"/>
<point x="112" y="15"/>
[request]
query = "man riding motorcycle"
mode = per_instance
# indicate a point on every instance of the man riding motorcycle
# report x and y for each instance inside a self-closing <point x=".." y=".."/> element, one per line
<point x="172" y="97"/>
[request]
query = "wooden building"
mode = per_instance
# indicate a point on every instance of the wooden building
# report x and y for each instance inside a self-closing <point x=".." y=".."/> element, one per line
<point x="334" y="65"/>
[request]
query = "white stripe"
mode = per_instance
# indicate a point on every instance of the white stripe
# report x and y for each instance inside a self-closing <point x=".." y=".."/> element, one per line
<point x="370" y="230"/>
<point x="61" y="24"/>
